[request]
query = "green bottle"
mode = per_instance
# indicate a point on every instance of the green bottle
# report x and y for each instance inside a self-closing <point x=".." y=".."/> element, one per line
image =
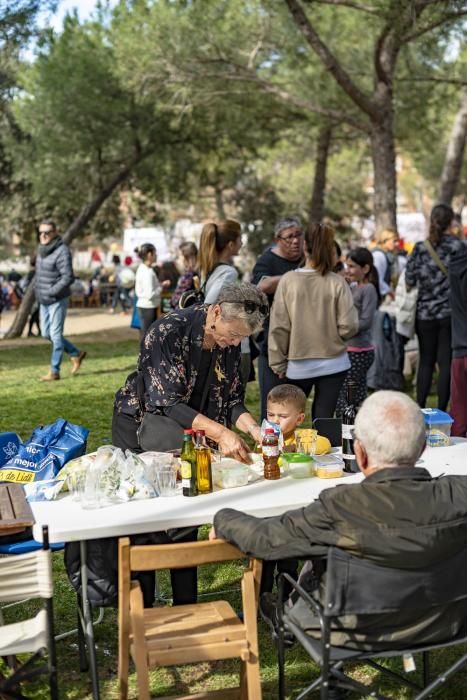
<point x="188" y="465"/>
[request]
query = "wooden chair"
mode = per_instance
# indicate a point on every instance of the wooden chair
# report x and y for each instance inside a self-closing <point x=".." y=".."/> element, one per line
<point x="186" y="633"/>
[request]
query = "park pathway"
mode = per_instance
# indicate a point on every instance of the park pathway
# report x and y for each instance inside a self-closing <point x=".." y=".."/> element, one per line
<point x="98" y="324"/>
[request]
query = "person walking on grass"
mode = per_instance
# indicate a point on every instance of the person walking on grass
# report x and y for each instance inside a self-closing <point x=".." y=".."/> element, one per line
<point x="54" y="275"/>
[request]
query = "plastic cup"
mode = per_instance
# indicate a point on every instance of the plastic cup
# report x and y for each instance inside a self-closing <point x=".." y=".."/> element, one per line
<point x="153" y="461"/>
<point x="76" y="482"/>
<point x="166" y="481"/>
<point x="305" y="440"/>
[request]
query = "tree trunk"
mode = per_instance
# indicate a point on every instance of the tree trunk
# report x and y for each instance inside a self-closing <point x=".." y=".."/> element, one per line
<point x="22" y="315"/>
<point x="83" y="218"/>
<point x="319" y="180"/>
<point x="384" y="173"/>
<point x="454" y="154"/>
<point x="220" y="202"/>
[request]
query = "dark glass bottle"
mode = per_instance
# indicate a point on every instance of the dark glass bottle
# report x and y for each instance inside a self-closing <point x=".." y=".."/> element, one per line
<point x="188" y="465"/>
<point x="270" y="450"/>
<point x="203" y="464"/>
<point x="348" y="421"/>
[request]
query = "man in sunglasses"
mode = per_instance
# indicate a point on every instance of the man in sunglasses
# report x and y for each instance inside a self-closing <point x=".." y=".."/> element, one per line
<point x="54" y="275"/>
<point x="285" y="255"/>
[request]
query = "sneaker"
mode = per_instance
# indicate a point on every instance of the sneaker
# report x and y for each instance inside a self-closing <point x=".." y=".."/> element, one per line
<point x="50" y="377"/>
<point x="268" y="611"/>
<point x="76" y="361"/>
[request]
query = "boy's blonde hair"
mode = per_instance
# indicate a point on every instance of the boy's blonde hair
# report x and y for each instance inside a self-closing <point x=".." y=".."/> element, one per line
<point x="288" y="393"/>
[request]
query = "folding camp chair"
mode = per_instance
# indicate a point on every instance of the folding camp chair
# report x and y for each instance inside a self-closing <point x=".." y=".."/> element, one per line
<point x="410" y="604"/>
<point x="185" y="633"/>
<point x="29" y="576"/>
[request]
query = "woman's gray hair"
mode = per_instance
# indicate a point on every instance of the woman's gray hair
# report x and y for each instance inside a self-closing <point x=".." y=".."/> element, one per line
<point x="288" y="222"/>
<point x="232" y="300"/>
<point x="391" y="428"/>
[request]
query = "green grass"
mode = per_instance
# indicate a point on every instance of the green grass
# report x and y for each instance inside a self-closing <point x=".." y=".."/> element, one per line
<point x="87" y="399"/>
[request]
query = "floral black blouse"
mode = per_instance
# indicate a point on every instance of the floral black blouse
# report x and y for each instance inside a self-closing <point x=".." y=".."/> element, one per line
<point x="168" y="366"/>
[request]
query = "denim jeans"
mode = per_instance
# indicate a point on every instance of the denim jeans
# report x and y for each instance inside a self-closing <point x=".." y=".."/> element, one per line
<point x="52" y="318"/>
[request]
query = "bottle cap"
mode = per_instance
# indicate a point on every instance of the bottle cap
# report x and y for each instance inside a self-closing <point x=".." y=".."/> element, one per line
<point x="269" y="431"/>
<point x="189" y="431"/>
<point x="201" y="432"/>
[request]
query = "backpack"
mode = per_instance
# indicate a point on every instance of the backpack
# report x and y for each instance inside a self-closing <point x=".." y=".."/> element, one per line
<point x="197" y="294"/>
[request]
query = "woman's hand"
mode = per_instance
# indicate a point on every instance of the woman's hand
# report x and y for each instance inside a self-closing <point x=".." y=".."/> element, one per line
<point x="255" y="432"/>
<point x="232" y="445"/>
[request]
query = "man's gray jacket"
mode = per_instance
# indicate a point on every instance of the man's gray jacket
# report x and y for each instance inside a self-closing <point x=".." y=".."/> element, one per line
<point x="54" y="274"/>
<point x="400" y="518"/>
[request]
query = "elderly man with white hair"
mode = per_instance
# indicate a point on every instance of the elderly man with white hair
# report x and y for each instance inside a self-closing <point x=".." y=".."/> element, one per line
<point x="397" y="516"/>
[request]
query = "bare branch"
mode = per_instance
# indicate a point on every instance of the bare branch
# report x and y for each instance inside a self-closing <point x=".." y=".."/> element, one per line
<point x="347" y="3"/>
<point x="252" y="56"/>
<point x="444" y="19"/>
<point x="330" y="62"/>
<point x="309" y="106"/>
<point x="442" y="79"/>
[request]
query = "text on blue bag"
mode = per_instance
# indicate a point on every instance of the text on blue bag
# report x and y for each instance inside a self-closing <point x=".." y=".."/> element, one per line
<point x="44" y="454"/>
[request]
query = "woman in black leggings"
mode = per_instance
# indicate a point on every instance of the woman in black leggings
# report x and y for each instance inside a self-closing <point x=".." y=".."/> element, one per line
<point x="427" y="269"/>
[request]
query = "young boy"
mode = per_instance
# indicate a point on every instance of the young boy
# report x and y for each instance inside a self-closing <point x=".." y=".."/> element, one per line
<point x="285" y="406"/>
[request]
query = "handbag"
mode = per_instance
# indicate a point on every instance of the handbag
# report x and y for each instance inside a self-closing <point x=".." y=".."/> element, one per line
<point x="191" y="297"/>
<point x="406" y="307"/>
<point x="160" y="433"/>
<point x="197" y="295"/>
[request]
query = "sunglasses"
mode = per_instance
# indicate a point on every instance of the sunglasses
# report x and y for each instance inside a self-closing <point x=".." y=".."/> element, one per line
<point x="251" y="306"/>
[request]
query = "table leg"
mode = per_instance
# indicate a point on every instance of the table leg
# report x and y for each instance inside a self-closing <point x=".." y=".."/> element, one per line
<point x="87" y="620"/>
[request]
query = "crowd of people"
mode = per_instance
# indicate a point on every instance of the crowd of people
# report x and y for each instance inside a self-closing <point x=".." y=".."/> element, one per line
<point x="325" y="325"/>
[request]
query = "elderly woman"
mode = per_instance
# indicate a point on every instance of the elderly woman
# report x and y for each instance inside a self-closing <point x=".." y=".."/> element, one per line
<point x="188" y="377"/>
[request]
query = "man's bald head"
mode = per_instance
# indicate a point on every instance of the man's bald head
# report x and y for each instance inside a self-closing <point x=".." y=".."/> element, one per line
<point x="391" y="429"/>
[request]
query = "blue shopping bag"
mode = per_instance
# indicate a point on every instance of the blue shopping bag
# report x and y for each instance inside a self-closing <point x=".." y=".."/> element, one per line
<point x="44" y="454"/>
<point x="9" y="445"/>
<point x="135" y="320"/>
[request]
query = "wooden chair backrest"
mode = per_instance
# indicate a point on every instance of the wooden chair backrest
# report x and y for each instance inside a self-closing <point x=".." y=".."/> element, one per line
<point x="179" y="556"/>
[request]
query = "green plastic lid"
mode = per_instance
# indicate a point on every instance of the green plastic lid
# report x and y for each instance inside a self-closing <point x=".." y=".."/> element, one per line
<point x="296" y="457"/>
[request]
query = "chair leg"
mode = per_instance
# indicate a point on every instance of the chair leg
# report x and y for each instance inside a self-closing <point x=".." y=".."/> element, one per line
<point x="142" y="673"/>
<point x="426" y="668"/>
<point x="250" y="682"/>
<point x="281" y="665"/>
<point x="123" y="666"/>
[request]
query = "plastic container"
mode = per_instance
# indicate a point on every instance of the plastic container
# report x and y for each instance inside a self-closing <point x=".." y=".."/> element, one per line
<point x="438" y="427"/>
<point x="328" y="467"/>
<point x="299" y="465"/>
<point x="229" y="473"/>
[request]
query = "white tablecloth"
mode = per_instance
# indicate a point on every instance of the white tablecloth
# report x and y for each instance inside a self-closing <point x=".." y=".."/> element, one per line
<point x="68" y="521"/>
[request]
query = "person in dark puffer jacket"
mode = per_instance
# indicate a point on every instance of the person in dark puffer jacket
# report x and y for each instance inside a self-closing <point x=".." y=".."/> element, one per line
<point x="54" y="275"/>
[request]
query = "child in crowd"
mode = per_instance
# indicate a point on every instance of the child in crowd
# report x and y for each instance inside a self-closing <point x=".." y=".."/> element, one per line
<point x="364" y="285"/>
<point x="286" y="406"/>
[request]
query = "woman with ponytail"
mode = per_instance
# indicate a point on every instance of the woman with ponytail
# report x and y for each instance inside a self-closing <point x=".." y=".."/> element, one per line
<point x="427" y="269"/>
<point x="219" y="242"/>
<point x="364" y="285"/>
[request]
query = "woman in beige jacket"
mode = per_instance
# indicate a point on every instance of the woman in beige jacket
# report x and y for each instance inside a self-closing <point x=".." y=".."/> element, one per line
<point x="312" y="316"/>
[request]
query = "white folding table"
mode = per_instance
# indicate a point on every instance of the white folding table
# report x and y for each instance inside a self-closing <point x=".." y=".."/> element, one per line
<point x="69" y="522"/>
